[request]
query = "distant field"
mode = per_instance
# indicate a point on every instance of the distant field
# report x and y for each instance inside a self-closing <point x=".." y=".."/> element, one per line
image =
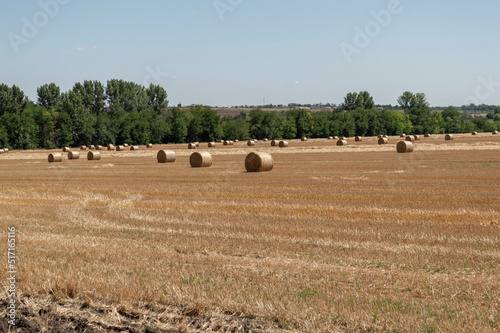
<point x="333" y="239"/>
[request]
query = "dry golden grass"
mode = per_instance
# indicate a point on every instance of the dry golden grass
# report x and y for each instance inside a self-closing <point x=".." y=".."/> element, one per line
<point x="333" y="239"/>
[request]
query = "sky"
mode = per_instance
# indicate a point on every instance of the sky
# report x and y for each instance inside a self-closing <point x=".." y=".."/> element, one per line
<point x="242" y="52"/>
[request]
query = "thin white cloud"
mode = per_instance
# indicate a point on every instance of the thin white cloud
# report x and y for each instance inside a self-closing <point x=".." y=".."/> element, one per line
<point x="83" y="48"/>
<point x="297" y="82"/>
<point x="174" y="77"/>
<point x="118" y="67"/>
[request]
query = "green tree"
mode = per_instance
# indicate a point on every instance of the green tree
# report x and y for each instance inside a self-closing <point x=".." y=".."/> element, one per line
<point x="12" y="100"/>
<point x="49" y="95"/>
<point x="157" y="98"/>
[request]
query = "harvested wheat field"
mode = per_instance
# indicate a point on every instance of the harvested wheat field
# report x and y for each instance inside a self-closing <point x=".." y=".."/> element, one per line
<point x="354" y="238"/>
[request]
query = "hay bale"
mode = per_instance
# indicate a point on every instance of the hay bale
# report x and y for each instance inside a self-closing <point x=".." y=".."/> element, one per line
<point x="221" y="141"/>
<point x="265" y="140"/>
<point x="380" y="136"/>
<point x="275" y="143"/>
<point x="416" y="137"/>
<point x="341" y="142"/>
<point x="66" y="149"/>
<point x="226" y="142"/>
<point x="494" y="132"/>
<point x="134" y="148"/>
<point x="250" y="143"/>
<point x="73" y="155"/>
<point x="2" y="151"/>
<point x="98" y="147"/>
<point x="91" y="147"/>
<point x="303" y="138"/>
<point x="448" y="137"/>
<point x="192" y="145"/>
<point x="93" y="156"/>
<point x="236" y="140"/>
<point x="283" y="144"/>
<point x="258" y="162"/>
<point x="197" y="144"/>
<point x="383" y="141"/>
<point x="427" y="135"/>
<point x="111" y="147"/>
<point x="6" y="150"/>
<point x="119" y="148"/>
<point x="55" y="157"/>
<point x="335" y="137"/>
<point x="149" y="145"/>
<point x="83" y="147"/>
<point x="330" y="138"/>
<point x="358" y="138"/>
<point x="404" y="147"/>
<point x="342" y="138"/>
<point x="410" y="138"/>
<point x="200" y="159"/>
<point x="165" y="156"/>
<point x="211" y="144"/>
<point x="125" y="145"/>
<point x="474" y="133"/>
<point x="402" y="135"/>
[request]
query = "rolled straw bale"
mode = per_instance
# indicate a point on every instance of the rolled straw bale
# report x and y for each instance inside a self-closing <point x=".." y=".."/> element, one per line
<point x="226" y="142"/>
<point x="474" y="133"/>
<point x="303" y="138"/>
<point x="66" y="149"/>
<point x="192" y="145"/>
<point x="257" y="162"/>
<point x="197" y="144"/>
<point x="358" y="138"/>
<point x="448" y="137"/>
<point x="330" y="138"/>
<point x="2" y="151"/>
<point x="111" y="147"/>
<point x="91" y="147"/>
<point x="83" y="147"/>
<point x="250" y="143"/>
<point x="221" y="141"/>
<point x="134" y="147"/>
<point x="265" y="139"/>
<point x="410" y="138"/>
<point x="211" y="144"/>
<point x="231" y="142"/>
<point x="73" y="155"/>
<point x="165" y="156"/>
<point x="149" y="145"/>
<point x="342" y="138"/>
<point x="120" y="148"/>
<point x="6" y="150"/>
<point x="335" y="137"/>
<point x="427" y="135"/>
<point x="283" y="144"/>
<point x="341" y="142"/>
<point x="494" y="132"/>
<point x="200" y="159"/>
<point x="380" y="136"/>
<point x="402" y="135"/>
<point x="236" y="140"/>
<point x="93" y="156"/>
<point x="125" y="145"/>
<point x="275" y="143"/>
<point x="416" y="137"/>
<point x="384" y="136"/>
<point x="55" y="157"/>
<point x="383" y="141"/>
<point x="98" y="147"/>
<point x="404" y="147"/>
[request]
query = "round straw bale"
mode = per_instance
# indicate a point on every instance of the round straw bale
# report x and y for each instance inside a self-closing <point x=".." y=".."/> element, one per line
<point x="265" y="139"/>
<point x="427" y="135"/>
<point x="383" y="141"/>
<point x="73" y="155"/>
<point x="55" y="157"/>
<point x="125" y="145"/>
<point x="474" y="133"/>
<point x="6" y="150"/>
<point x="149" y="145"/>
<point x="226" y="142"/>
<point x="200" y="159"/>
<point x="236" y="140"/>
<point x="274" y="143"/>
<point x="91" y="147"/>
<point x="402" y="135"/>
<point x="93" y="156"/>
<point x="98" y="147"/>
<point x="448" y="137"/>
<point x="165" y="156"/>
<point x="358" y="138"/>
<point x="120" y="148"/>
<point x="111" y="147"/>
<point x="494" y="132"/>
<point x="192" y="145"/>
<point x="335" y="137"/>
<point x="342" y="138"/>
<point x="404" y="147"/>
<point x="250" y="143"/>
<point x="134" y="147"/>
<point x="380" y="136"/>
<point x="231" y="142"/>
<point x="197" y="144"/>
<point x="384" y="136"/>
<point x="2" y="151"/>
<point x="211" y="144"/>
<point x="341" y="142"/>
<point x="330" y="138"/>
<point x="410" y="138"/>
<point x="83" y="147"/>
<point x="66" y="149"/>
<point x="283" y="144"/>
<point x="416" y="137"/>
<point x="257" y="162"/>
<point x="221" y="141"/>
<point x="303" y="138"/>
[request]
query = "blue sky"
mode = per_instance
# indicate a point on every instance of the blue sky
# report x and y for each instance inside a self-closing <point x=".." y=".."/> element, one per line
<point x="233" y="52"/>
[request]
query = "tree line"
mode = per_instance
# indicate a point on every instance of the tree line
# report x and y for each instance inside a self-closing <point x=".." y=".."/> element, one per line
<point x="122" y="111"/>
